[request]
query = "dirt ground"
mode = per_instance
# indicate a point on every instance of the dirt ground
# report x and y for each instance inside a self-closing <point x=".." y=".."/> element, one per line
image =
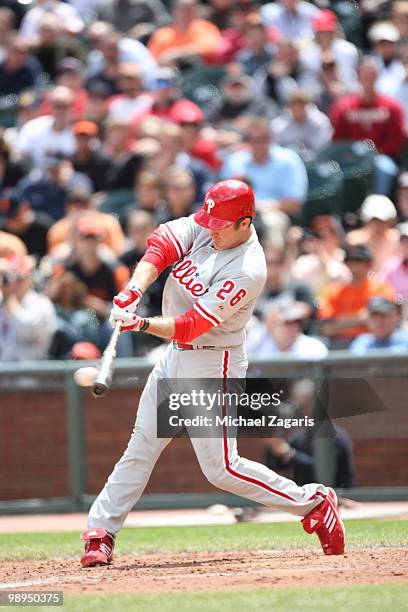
<point x="210" y="571"/>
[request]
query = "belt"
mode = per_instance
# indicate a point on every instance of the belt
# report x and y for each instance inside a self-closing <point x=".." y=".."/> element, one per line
<point x="181" y="346"/>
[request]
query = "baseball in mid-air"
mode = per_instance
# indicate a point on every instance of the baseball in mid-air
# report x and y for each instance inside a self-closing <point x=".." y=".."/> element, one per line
<point x="85" y="377"/>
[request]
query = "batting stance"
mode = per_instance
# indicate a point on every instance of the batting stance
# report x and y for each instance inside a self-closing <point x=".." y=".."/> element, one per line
<point x="218" y="271"/>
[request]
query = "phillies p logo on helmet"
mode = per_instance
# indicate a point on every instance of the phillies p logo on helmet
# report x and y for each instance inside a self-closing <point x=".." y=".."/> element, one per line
<point x="209" y="204"/>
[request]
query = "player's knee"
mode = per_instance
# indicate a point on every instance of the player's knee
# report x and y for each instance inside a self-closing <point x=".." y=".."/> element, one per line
<point x="217" y="476"/>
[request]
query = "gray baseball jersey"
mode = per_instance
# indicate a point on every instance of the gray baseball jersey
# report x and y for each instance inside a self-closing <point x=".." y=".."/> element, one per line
<point x="221" y="285"/>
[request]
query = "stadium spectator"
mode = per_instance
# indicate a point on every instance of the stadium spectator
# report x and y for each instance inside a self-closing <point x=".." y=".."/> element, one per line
<point x="70" y="74"/>
<point x="292" y="18"/>
<point x="18" y="70"/>
<point x="106" y="64"/>
<point x="7" y="25"/>
<point x="371" y="116"/>
<point x="277" y="175"/>
<point x="168" y="104"/>
<point x="46" y="189"/>
<point x="51" y="48"/>
<point x="187" y="38"/>
<point x="78" y="204"/>
<point x="97" y="103"/>
<point x="378" y="215"/>
<point x="86" y="8"/>
<point x="88" y="157"/>
<point x="384" y="37"/>
<point x="131" y="102"/>
<point x="27" y="318"/>
<point x="110" y="49"/>
<point x="343" y="305"/>
<point x="18" y="218"/>
<point x="402" y="196"/>
<point x="103" y="278"/>
<point x="179" y="193"/>
<point x="233" y="35"/>
<point x="302" y="127"/>
<point x="331" y="87"/>
<point x="124" y="14"/>
<point x="172" y="153"/>
<point x="286" y="73"/>
<point x="395" y="270"/>
<point x="18" y="10"/>
<point x="260" y="50"/>
<point x="120" y="146"/>
<point x="51" y="134"/>
<point x="219" y="12"/>
<point x="383" y="329"/>
<point x="281" y="332"/>
<point x="323" y="260"/>
<point x="148" y="193"/>
<point x="297" y="453"/>
<point x="326" y="40"/>
<point x="67" y="15"/>
<point x="399" y="15"/>
<point x="280" y="288"/>
<point x="11" y="171"/>
<point x="239" y="100"/>
<point x="11" y="246"/>
<point x="399" y="91"/>
<point x="190" y="119"/>
<point x="140" y="224"/>
<point x="76" y="322"/>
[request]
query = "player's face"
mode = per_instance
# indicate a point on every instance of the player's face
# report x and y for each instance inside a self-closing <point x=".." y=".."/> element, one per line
<point x="231" y="236"/>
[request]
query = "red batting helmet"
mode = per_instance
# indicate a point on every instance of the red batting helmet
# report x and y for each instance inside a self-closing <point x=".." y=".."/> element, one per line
<point x="224" y="203"/>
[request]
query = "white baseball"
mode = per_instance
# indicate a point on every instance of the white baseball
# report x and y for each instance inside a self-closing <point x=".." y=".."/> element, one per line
<point x="85" y="377"/>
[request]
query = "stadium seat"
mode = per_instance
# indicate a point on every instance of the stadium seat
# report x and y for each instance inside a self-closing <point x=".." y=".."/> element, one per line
<point x="356" y="162"/>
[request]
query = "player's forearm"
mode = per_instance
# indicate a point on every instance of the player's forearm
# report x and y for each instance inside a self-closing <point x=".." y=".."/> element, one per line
<point x="163" y="327"/>
<point x="144" y="275"/>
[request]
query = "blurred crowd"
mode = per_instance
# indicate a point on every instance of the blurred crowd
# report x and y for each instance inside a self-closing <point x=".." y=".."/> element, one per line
<point x="117" y="115"/>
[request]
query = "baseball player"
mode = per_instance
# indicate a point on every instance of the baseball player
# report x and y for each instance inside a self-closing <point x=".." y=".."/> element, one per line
<point x="218" y="271"/>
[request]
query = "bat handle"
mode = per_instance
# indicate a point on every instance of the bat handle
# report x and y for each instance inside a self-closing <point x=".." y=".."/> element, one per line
<point x="104" y="377"/>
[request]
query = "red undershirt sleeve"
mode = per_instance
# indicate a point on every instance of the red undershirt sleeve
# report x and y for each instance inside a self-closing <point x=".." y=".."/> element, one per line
<point x="190" y="325"/>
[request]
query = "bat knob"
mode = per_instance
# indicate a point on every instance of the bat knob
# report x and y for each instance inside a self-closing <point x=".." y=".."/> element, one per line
<point x="99" y="389"/>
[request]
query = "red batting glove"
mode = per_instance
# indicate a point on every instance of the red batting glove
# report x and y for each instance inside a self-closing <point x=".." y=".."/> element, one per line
<point x="129" y="298"/>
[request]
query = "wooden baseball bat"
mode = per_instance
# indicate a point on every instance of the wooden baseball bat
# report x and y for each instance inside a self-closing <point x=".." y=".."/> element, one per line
<point x="105" y="372"/>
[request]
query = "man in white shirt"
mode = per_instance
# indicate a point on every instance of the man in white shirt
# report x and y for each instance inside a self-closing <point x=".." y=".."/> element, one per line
<point x="110" y="47"/>
<point x="277" y="175"/>
<point x="293" y="18"/>
<point x="27" y="318"/>
<point x="326" y="39"/>
<point x="384" y="37"/>
<point x="50" y="134"/>
<point x="133" y="102"/>
<point x="281" y="332"/>
<point x="67" y="14"/>
<point x="302" y="127"/>
<point x="400" y="93"/>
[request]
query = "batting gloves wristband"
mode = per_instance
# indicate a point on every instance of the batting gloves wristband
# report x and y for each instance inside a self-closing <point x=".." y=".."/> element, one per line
<point x="130" y="320"/>
<point x="129" y="298"/>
